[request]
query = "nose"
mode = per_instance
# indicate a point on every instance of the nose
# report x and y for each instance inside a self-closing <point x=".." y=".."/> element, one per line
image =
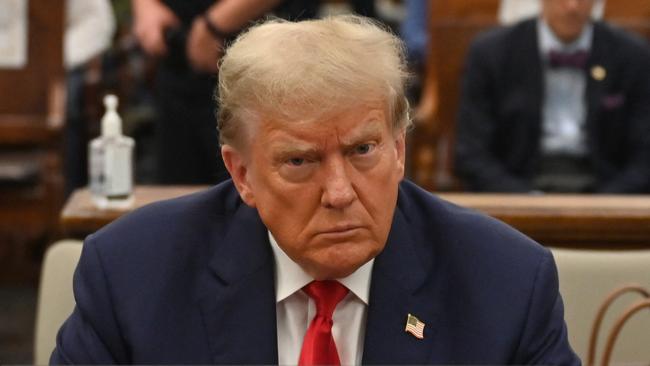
<point x="573" y="5"/>
<point x="338" y="192"/>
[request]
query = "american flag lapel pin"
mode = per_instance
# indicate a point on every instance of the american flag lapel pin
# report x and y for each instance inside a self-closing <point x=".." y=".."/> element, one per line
<point x="415" y="327"/>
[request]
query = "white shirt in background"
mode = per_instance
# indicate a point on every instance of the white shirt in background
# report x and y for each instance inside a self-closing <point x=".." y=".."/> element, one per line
<point x="564" y="108"/>
<point x="89" y="29"/>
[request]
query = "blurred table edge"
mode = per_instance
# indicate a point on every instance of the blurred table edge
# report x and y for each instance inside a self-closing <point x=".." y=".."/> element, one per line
<point x="80" y="217"/>
<point x="615" y="221"/>
<point x="607" y="221"/>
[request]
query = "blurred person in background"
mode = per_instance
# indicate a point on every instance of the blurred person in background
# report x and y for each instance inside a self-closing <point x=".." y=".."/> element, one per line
<point x="188" y="36"/>
<point x="557" y="103"/>
<point x="89" y="29"/>
<point x="414" y="30"/>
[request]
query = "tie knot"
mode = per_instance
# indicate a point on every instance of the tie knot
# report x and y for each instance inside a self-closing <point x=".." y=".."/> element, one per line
<point x="575" y="60"/>
<point x="326" y="295"/>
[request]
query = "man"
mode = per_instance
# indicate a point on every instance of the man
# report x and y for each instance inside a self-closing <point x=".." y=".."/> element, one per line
<point x="316" y="252"/>
<point x="557" y="103"/>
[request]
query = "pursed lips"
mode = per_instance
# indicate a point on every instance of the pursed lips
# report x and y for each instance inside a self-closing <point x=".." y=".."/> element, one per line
<point x="340" y="229"/>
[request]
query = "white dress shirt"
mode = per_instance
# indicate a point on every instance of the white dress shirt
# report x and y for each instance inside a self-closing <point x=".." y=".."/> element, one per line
<point x="564" y="109"/>
<point x="295" y="310"/>
<point x="89" y="29"/>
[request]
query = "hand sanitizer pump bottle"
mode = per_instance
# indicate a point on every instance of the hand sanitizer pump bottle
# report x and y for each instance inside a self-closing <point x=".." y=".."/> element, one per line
<point x="111" y="162"/>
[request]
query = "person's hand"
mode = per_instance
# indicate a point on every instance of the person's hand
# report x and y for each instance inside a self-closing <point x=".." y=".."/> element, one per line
<point x="151" y="19"/>
<point x="203" y="49"/>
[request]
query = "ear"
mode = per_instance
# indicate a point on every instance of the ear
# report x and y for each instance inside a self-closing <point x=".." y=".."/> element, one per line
<point x="400" y="147"/>
<point x="238" y="167"/>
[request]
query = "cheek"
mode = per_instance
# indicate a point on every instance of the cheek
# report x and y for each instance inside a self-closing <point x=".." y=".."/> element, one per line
<point x="378" y="194"/>
<point x="287" y="208"/>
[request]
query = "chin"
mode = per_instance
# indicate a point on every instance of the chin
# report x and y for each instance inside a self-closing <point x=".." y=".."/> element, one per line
<point x="319" y="273"/>
<point x="340" y="264"/>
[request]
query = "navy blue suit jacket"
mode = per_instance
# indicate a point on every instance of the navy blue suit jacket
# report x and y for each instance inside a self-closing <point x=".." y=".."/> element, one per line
<point x="191" y="280"/>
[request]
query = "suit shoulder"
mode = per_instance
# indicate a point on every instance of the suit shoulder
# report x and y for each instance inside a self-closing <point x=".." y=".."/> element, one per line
<point x="494" y="50"/>
<point x="454" y="231"/>
<point x="170" y="221"/>
<point x="500" y="37"/>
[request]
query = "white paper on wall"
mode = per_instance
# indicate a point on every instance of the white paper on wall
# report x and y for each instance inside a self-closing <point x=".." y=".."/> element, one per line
<point x="13" y="33"/>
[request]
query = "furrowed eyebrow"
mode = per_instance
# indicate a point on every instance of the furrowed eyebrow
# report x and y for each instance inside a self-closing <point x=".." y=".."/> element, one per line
<point x="371" y="131"/>
<point x="283" y="151"/>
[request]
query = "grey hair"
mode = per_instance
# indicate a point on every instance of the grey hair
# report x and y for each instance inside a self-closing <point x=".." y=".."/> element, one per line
<point x="302" y="71"/>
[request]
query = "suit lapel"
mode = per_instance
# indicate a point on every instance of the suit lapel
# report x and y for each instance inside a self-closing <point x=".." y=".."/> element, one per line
<point x="532" y="76"/>
<point x="398" y="274"/>
<point x="595" y="89"/>
<point x="238" y="303"/>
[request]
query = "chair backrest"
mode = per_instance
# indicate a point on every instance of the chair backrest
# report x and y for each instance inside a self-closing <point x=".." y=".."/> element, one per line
<point x="632" y="15"/>
<point x="32" y="96"/>
<point x="466" y="9"/>
<point x="55" y="296"/>
<point x="32" y="114"/>
<point x="586" y="278"/>
<point x="436" y="119"/>
<point x="452" y="25"/>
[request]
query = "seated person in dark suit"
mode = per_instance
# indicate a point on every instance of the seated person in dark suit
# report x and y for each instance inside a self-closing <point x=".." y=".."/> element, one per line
<point x="558" y="103"/>
<point x="317" y="251"/>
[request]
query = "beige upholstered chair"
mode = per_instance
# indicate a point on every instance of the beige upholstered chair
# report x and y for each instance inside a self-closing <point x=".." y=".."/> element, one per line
<point x="55" y="297"/>
<point x="586" y="278"/>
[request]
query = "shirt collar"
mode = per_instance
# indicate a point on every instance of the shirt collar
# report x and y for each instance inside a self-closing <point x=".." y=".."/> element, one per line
<point x="548" y="40"/>
<point x="290" y="277"/>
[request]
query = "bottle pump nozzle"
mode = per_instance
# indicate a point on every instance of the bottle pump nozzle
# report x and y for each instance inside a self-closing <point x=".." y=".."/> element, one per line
<point x="111" y="121"/>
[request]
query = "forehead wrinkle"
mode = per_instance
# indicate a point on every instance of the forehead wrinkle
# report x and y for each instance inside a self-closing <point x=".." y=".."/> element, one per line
<point x="293" y="145"/>
<point x="315" y="135"/>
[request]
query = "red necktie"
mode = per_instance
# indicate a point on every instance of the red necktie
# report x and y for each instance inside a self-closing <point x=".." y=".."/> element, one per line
<point x="318" y="347"/>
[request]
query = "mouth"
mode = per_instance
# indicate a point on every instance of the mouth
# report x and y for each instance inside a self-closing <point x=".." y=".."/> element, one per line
<point x="341" y="230"/>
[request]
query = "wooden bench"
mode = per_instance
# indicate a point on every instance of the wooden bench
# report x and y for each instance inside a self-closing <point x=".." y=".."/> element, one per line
<point x="615" y="222"/>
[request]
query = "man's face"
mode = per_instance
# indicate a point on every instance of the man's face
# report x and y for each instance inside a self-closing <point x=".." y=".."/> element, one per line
<point x="567" y="18"/>
<point x="327" y="189"/>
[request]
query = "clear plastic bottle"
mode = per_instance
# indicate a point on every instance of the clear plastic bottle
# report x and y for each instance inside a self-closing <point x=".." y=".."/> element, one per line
<point x="111" y="162"/>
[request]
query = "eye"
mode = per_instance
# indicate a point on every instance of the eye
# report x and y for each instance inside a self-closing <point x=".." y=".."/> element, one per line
<point x="363" y="149"/>
<point x="296" y="161"/>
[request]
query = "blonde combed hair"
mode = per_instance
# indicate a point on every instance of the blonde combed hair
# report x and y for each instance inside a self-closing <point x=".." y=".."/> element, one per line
<point x="302" y="71"/>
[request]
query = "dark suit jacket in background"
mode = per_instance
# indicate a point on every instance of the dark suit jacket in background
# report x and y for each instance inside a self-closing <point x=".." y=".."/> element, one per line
<point x="500" y="122"/>
<point x="191" y="280"/>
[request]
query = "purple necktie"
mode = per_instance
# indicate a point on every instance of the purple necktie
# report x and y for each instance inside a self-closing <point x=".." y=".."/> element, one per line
<point x="572" y="60"/>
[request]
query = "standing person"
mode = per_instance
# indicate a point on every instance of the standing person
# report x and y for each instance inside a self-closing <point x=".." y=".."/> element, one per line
<point x="316" y="252"/>
<point x="415" y="32"/>
<point x="556" y="104"/>
<point x="188" y="37"/>
<point x="89" y="29"/>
